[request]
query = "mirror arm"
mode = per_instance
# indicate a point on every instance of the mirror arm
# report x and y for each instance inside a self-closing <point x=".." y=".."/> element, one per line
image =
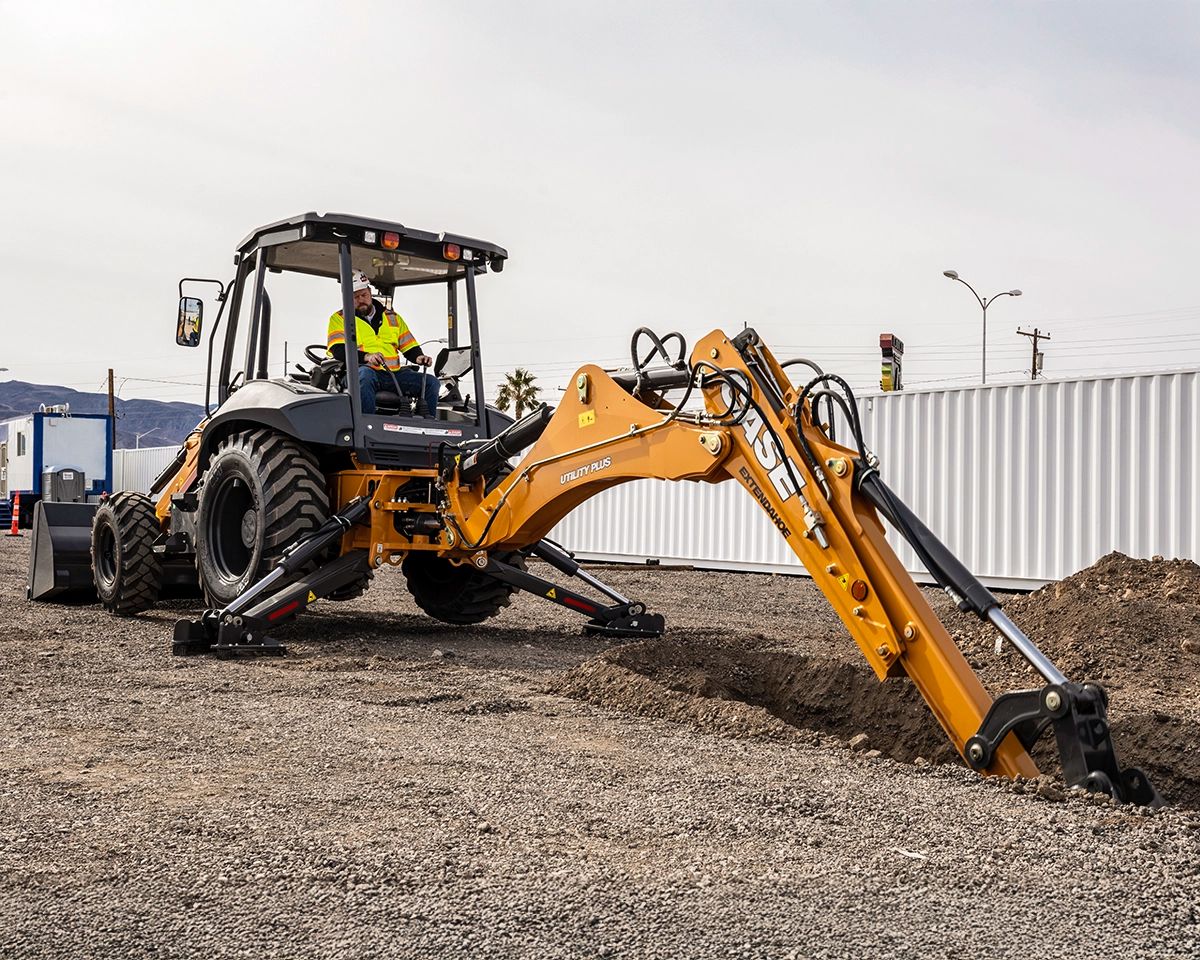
<point x="212" y="337"/>
<point x="222" y="289"/>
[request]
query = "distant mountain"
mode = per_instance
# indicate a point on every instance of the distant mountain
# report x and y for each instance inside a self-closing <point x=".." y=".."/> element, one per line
<point x="169" y="422"/>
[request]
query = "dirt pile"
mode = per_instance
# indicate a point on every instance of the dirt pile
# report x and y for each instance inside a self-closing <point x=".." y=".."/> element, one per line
<point x="1122" y="622"/>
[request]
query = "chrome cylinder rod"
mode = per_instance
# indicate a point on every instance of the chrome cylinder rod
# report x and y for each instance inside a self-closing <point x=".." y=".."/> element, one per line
<point x="604" y="588"/>
<point x="1026" y="647"/>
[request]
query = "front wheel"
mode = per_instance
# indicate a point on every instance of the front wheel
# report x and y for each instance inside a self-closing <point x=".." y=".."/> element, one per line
<point x="126" y="571"/>
<point x="261" y="493"/>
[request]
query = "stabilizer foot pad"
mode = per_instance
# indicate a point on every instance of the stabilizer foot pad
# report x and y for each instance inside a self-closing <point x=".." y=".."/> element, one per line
<point x="205" y="636"/>
<point x="191" y="638"/>
<point x="645" y="625"/>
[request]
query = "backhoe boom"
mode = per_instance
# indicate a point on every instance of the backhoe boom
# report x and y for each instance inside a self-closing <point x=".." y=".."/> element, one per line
<point x="825" y="499"/>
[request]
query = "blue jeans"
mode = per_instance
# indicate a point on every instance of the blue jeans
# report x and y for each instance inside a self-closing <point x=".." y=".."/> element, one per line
<point x="413" y="383"/>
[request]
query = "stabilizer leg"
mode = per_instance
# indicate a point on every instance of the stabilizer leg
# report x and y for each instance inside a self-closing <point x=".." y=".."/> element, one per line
<point x="625" y="618"/>
<point x="241" y="626"/>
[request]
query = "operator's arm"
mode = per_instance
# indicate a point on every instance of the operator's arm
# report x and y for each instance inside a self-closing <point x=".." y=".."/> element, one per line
<point x="372" y="359"/>
<point x="406" y="343"/>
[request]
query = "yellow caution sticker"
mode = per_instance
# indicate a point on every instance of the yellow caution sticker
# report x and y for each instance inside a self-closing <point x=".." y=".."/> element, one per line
<point x="587" y="418"/>
<point x="553" y="594"/>
<point x="311" y="596"/>
<point x="844" y="580"/>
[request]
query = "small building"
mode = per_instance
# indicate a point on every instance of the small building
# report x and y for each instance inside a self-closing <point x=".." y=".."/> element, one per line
<point x="53" y="440"/>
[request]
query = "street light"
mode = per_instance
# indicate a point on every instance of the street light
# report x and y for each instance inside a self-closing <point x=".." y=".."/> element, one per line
<point x="953" y="275"/>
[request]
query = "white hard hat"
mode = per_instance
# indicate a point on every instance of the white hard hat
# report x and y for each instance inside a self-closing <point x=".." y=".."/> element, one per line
<point x="360" y="281"/>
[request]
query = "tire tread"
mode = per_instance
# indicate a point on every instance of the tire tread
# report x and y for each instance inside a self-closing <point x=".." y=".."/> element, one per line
<point x="139" y="571"/>
<point x="459" y="595"/>
<point x="295" y="501"/>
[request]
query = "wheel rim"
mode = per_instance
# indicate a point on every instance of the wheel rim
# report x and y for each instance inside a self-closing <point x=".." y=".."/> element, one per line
<point x="106" y="557"/>
<point x="232" y="528"/>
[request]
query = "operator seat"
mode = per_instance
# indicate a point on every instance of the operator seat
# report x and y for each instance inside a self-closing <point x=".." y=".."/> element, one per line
<point x="390" y="403"/>
<point x="393" y="404"/>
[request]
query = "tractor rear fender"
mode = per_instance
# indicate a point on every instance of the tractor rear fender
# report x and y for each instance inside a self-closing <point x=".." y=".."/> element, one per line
<point x="314" y="419"/>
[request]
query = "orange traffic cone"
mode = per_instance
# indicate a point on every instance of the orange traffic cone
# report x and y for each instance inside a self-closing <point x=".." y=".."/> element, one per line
<point x="15" y="529"/>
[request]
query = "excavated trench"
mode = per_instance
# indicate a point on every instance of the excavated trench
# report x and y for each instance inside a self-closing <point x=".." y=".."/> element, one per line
<point x="739" y="686"/>
<point x="729" y="686"/>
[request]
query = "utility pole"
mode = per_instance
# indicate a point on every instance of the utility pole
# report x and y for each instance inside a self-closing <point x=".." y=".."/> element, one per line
<point x="284" y="359"/>
<point x="112" y="409"/>
<point x="1035" y="365"/>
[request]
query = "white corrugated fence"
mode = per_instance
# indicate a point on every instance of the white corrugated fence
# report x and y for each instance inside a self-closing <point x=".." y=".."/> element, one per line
<point x="138" y="469"/>
<point x="1026" y="482"/>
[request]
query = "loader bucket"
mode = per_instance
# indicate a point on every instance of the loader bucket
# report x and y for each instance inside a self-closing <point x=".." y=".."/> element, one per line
<point x="60" y="561"/>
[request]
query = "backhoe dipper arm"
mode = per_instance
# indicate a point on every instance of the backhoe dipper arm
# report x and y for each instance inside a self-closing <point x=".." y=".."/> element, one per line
<point x="822" y="497"/>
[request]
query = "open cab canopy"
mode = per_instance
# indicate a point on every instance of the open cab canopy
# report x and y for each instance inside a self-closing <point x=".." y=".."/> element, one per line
<point x="390" y="254"/>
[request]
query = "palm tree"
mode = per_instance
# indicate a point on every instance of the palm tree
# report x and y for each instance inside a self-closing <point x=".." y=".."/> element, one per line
<point x="518" y="391"/>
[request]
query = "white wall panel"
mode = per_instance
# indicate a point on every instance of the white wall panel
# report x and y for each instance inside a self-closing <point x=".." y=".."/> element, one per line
<point x="1025" y="482"/>
<point x="138" y="469"/>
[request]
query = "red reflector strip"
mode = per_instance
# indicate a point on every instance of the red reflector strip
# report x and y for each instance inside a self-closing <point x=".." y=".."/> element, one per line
<point x="579" y="605"/>
<point x="283" y="611"/>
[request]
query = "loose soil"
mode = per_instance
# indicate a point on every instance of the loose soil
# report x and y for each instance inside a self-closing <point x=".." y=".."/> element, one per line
<point x="1131" y="625"/>
<point x="397" y="787"/>
<point x="1128" y="624"/>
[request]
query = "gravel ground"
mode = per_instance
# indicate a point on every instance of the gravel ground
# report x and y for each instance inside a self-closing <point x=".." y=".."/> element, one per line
<point x="396" y="789"/>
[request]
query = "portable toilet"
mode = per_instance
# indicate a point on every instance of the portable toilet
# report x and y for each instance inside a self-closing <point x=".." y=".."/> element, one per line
<point x="63" y="485"/>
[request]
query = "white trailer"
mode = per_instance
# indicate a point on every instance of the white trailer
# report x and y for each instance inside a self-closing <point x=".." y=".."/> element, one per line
<point x="36" y="442"/>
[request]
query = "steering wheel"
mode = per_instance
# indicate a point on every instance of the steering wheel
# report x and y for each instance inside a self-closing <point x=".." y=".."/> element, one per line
<point x="316" y="354"/>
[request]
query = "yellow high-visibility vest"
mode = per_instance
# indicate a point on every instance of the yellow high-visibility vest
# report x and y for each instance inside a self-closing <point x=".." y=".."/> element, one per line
<point x="393" y="340"/>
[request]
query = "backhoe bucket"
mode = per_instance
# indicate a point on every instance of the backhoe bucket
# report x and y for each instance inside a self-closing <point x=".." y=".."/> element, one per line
<point x="60" y="561"/>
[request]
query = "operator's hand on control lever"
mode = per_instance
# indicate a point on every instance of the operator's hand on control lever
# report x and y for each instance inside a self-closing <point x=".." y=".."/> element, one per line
<point x="374" y="359"/>
<point x="423" y="360"/>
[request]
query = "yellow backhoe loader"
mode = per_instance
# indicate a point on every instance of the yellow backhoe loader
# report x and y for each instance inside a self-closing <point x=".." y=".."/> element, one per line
<point x="288" y="494"/>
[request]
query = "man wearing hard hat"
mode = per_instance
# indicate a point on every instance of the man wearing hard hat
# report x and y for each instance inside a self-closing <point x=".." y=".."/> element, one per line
<point x="383" y="337"/>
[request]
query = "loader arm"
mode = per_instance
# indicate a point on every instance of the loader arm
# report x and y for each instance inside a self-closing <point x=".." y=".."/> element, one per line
<point x="757" y="428"/>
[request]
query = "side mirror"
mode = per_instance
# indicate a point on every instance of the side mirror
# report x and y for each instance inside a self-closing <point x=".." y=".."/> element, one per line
<point x="187" y="328"/>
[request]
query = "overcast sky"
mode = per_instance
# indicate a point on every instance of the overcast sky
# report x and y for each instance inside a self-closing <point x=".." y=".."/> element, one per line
<point x="808" y="169"/>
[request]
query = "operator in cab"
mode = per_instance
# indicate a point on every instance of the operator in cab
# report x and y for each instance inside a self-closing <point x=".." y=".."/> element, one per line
<point x="383" y="337"/>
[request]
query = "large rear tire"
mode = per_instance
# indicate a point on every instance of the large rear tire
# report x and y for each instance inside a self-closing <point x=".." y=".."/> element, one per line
<point x="125" y="569"/>
<point x="455" y="594"/>
<point x="261" y="493"/>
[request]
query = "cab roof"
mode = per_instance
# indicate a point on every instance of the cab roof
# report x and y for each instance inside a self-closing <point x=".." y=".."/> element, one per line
<point x="389" y="253"/>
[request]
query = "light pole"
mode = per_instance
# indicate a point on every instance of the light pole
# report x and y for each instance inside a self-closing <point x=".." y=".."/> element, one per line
<point x="137" y="437"/>
<point x="953" y="275"/>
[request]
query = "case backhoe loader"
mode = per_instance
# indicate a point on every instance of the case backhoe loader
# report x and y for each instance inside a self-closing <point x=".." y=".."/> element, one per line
<point x="288" y="494"/>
